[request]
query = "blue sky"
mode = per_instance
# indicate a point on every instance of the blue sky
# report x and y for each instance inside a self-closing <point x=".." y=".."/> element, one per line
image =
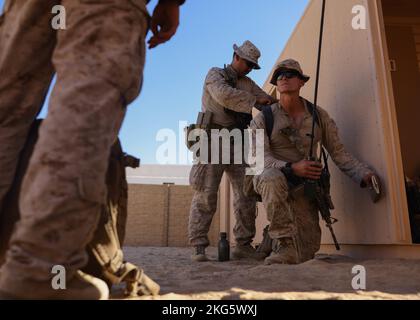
<point x="175" y="71"/>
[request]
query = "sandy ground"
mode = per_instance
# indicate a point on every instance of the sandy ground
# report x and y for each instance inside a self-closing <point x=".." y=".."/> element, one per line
<point x="326" y="277"/>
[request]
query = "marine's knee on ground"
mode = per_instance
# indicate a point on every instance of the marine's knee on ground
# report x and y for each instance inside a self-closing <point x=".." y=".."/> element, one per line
<point x="271" y="185"/>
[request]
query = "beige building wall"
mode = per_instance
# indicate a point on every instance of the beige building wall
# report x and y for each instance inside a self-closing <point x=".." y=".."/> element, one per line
<point x="158" y="216"/>
<point x="349" y="90"/>
<point x="356" y="90"/>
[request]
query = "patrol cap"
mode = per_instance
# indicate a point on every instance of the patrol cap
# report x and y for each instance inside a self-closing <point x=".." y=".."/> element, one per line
<point x="285" y="65"/>
<point x="248" y="51"/>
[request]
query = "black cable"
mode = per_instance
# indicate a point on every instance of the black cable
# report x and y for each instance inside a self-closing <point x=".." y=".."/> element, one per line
<point x="318" y="67"/>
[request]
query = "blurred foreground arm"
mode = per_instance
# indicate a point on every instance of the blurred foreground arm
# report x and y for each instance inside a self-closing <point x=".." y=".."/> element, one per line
<point x="165" y="21"/>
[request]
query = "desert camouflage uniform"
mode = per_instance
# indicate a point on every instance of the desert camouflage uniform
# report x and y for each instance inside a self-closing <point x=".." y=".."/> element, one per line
<point x="292" y="215"/>
<point x="99" y="62"/>
<point x="223" y="89"/>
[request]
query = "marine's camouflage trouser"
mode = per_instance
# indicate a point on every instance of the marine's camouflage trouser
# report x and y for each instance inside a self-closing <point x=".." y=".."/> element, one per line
<point x="205" y="180"/>
<point x="289" y="215"/>
<point x="99" y="61"/>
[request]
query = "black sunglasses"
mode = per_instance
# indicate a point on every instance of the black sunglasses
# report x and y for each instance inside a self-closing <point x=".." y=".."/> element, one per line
<point x="288" y="75"/>
<point x="250" y="64"/>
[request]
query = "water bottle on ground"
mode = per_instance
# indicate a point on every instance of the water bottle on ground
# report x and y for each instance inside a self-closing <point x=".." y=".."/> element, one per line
<point x="223" y="247"/>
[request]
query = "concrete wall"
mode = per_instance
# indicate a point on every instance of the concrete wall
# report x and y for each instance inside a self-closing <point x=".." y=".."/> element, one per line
<point x="158" y="216"/>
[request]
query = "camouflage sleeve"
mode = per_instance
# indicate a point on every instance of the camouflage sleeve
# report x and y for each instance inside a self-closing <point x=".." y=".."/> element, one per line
<point x="345" y="161"/>
<point x="257" y="91"/>
<point x="226" y="95"/>
<point x="269" y="160"/>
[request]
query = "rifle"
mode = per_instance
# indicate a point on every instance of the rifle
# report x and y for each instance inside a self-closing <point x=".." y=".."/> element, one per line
<point x="319" y="190"/>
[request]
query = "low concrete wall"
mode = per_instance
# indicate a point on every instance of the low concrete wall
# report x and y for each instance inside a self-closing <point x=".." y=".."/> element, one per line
<point x="158" y="216"/>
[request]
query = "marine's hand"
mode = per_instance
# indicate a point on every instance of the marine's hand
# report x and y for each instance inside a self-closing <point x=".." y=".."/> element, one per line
<point x="373" y="182"/>
<point x="164" y="23"/>
<point x="307" y="169"/>
<point x="367" y="180"/>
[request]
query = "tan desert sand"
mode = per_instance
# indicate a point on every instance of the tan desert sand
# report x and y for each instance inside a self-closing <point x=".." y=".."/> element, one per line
<point x="326" y="277"/>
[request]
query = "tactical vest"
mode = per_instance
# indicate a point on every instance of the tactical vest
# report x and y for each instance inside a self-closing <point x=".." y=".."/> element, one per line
<point x="242" y="120"/>
<point x="248" y="185"/>
<point x="269" y="119"/>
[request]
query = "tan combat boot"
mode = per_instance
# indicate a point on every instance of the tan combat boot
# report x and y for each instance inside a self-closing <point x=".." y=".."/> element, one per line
<point x="81" y="287"/>
<point x="247" y="252"/>
<point x="199" y="254"/>
<point x="284" y="252"/>
<point x="266" y="246"/>
<point x="84" y="287"/>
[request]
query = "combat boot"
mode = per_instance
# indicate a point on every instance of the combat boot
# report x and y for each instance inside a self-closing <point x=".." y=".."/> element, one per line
<point x="247" y="252"/>
<point x="199" y="254"/>
<point x="266" y="246"/>
<point x="84" y="287"/>
<point x="81" y="287"/>
<point x="284" y="252"/>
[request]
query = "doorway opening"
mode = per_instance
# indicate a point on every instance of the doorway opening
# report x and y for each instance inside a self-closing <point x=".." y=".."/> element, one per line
<point x="402" y="31"/>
